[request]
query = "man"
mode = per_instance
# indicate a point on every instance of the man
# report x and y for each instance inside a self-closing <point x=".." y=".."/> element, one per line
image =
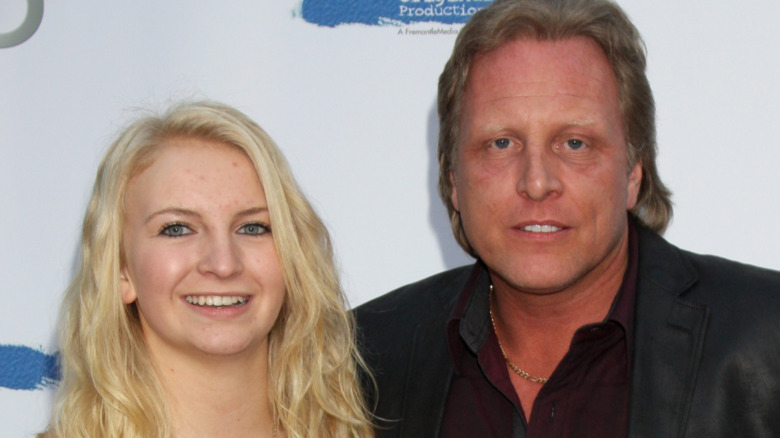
<point x="577" y="318"/>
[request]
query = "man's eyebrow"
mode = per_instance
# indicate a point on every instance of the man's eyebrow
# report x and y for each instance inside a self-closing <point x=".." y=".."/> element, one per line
<point x="580" y="122"/>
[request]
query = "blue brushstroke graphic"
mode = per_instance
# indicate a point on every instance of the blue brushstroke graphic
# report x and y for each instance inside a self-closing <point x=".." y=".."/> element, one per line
<point x="332" y="13"/>
<point x="24" y="368"/>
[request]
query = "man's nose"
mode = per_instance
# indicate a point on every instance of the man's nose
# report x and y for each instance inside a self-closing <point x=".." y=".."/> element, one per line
<point x="538" y="177"/>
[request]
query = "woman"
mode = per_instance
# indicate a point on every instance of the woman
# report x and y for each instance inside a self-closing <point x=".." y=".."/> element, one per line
<point x="207" y="302"/>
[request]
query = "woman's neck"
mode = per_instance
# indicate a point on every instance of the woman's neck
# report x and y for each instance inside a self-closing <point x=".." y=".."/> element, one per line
<point x="218" y="396"/>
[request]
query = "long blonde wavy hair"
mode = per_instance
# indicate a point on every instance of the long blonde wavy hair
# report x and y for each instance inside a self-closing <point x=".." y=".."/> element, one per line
<point x="109" y="385"/>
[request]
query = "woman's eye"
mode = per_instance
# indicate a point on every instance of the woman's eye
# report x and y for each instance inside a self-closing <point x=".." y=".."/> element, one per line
<point x="176" y="230"/>
<point x="574" y="144"/>
<point x="254" y="229"/>
<point x="502" y="143"/>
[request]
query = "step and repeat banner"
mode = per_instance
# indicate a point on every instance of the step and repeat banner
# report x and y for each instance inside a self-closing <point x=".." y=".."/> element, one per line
<point x="347" y="89"/>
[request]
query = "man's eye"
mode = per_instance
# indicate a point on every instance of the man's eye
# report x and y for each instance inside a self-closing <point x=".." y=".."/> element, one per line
<point x="254" y="229"/>
<point x="176" y="230"/>
<point x="502" y="143"/>
<point x="574" y="144"/>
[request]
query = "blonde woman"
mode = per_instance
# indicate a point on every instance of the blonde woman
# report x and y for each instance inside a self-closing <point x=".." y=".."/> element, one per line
<point x="206" y="303"/>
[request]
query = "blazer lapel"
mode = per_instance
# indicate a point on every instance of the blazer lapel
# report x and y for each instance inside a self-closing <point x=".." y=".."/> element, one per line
<point x="669" y="334"/>
<point x="430" y="371"/>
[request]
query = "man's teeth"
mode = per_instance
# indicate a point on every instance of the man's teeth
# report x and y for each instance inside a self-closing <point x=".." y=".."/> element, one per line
<point x="541" y="228"/>
<point x="215" y="300"/>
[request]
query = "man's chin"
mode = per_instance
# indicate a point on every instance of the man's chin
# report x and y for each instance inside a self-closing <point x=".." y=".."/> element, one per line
<point x="539" y="280"/>
<point x="553" y="272"/>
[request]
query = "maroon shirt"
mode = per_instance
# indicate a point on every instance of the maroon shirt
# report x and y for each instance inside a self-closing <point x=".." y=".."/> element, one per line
<point x="586" y="396"/>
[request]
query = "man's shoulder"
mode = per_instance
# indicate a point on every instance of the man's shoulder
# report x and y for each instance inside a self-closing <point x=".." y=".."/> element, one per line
<point x="663" y="256"/>
<point x="711" y="321"/>
<point x="716" y="267"/>
<point x="437" y="292"/>
<point x="744" y="283"/>
<point x="386" y="326"/>
<point x="707" y="279"/>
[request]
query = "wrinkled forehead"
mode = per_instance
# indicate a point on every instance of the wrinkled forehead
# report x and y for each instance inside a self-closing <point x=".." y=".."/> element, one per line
<point x="564" y="64"/>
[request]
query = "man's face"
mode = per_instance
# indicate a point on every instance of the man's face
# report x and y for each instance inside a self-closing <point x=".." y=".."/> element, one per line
<point x="542" y="180"/>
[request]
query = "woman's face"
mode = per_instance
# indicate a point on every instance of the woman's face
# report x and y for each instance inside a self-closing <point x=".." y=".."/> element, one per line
<point x="200" y="259"/>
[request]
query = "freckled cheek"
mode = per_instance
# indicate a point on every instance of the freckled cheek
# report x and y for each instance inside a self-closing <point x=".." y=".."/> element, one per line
<point x="160" y="272"/>
<point x="267" y="270"/>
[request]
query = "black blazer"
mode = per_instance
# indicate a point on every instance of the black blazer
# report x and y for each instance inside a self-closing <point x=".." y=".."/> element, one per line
<point x="706" y="358"/>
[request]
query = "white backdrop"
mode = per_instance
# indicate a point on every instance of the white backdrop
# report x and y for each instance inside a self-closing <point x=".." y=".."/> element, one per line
<point x="353" y="108"/>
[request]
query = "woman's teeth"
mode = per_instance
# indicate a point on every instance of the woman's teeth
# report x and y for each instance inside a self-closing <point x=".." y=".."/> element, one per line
<point x="215" y="300"/>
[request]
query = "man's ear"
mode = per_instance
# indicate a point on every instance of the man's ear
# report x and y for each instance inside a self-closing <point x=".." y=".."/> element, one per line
<point x="454" y="194"/>
<point x="633" y="185"/>
<point x="128" y="290"/>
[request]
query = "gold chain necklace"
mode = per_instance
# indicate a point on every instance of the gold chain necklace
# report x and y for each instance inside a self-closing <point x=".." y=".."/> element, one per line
<point x="519" y="371"/>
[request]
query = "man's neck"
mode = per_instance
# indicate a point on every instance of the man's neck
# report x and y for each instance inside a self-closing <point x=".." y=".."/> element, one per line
<point x="535" y="328"/>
